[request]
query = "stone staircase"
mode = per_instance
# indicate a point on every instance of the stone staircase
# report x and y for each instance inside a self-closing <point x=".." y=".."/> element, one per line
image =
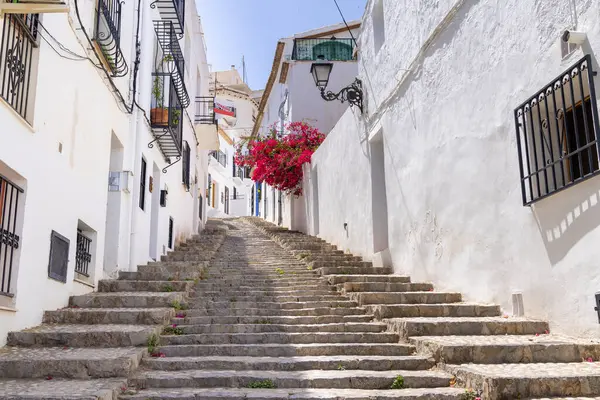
<point x="275" y="314"/>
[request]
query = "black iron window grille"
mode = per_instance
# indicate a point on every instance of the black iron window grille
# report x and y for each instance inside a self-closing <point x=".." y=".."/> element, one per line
<point x="18" y="55"/>
<point x="9" y="240"/>
<point x="107" y="36"/>
<point x="326" y="49"/>
<point x="172" y="11"/>
<point x="172" y="59"/>
<point x="186" y="166"/>
<point x="220" y="157"/>
<point x="205" y="110"/>
<point x="83" y="255"/>
<point x="143" y="185"/>
<point x="166" y="117"/>
<point x="557" y="134"/>
<point x="170" y="232"/>
<point x="59" y="257"/>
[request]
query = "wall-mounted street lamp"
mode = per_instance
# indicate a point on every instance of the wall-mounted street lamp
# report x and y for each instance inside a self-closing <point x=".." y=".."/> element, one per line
<point x="352" y="93"/>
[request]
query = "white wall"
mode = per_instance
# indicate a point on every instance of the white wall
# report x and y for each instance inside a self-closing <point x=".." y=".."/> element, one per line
<point x="455" y="215"/>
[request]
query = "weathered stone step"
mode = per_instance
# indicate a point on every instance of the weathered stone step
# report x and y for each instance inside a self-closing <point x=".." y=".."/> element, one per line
<point x="127" y="299"/>
<point x="382" y="311"/>
<point x="210" y="289"/>
<point x="232" y="303"/>
<point x="144" y="286"/>
<point x="466" y="326"/>
<point x="165" y="275"/>
<point x="337" y="279"/>
<point x="108" y="316"/>
<point x="350" y="265"/>
<point x="282" y="299"/>
<point x="289" y="350"/>
<point x="281" y="338"/>
<point x="297" y="394"/>
<point x="73" y="363"/>
<point x="185" y="256"/>
<point x="353" y="379"/>
<point x="405" y="297"/>
<point x="269" y="327"/>
<point x="285" y="320"/>
<point x="504" y="349"/>
<point x="385" y="287"/>
<point x="83" y="335"/>
<point x="351" y="270"/>
<point x="55" y="389"/>
<point x="274" y="312"/>
<point x="374" y="363"/>
<point x="510" y="381"/>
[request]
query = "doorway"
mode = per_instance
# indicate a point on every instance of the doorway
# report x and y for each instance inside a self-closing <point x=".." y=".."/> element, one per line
<point x="379" y="194"/>
<point x="155" y="210"/>
<point x="113" y="207"/>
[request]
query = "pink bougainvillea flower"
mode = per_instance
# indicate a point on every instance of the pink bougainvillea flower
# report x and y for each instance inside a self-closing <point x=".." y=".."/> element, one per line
<point x="589" y="359"/>
<point x="174" y="325"/>
<point x="49" y="378"/>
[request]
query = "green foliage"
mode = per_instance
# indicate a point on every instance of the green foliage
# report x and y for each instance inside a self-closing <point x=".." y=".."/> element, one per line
<point x="469" y="394"/>
<point x="310" y="268"/>
<point x="398" y="382"/>
<point x="170" y="279"/>
<point x="168" y="288"/>
<point x="157" y="91"/>
<point x="263" y="322"/>
<point x="178" y="306"/>
<point x="280" y="271"/>
<point x="172" y="330"/>
<point x="152" y="343"/>
<point x="340" y="367"/>
<point x="265" y="384"/>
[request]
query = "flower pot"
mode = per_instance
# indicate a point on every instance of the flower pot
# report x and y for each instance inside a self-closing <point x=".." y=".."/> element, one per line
<point x="159" y="117"/>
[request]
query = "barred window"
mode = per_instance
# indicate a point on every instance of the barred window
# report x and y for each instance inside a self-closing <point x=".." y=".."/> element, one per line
<point x="107" y="36"/>
<point x="186" y="165"/>
<point x="18" y="61"/>
<point x="557" y="134"/>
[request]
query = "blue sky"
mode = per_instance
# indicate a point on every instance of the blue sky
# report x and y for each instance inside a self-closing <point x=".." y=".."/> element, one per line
<point x="251" y="28"/>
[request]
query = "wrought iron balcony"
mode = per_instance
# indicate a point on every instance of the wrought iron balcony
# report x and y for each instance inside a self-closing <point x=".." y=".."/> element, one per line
<point x="220" y="157"/>
<point x="205" y="110"/>
<point x="329" y="49"/>
<point x="166" y="117"/>
<point x="172" y="58"/>
<point x="173" y="11"/>
<point x="107" y="36"/>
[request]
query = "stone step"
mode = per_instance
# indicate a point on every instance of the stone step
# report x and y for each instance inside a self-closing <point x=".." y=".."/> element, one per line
<point x="108" y="316"/>
<point x="337" y="279"/>
<point x="504" y="349"/>
<point x="144" y="286"/>
<point x="364" y="298"/>
<point x="269" y="327"/>
<point x="289" y="350"/>
<point x="55" y="389"/>
<point x="297" y="394"/>
<point x="83" y="335"/>
<point x="253" y="299"/>
<point x="73" y="363"/>
<point x="280" y="338"/>
<point x="127" y="300"/>
<point x="160" y="276"/>
<point x="385" y="287"/>
<point x="352" y="270"/>
<point x="373" y="363"/>
<point x="211" y="289"/>
<point x="266" y="320"/>
<point x="274" y="312"/>
<point x="233" y="303"/>
<point x="289" y="293"/>
<point x="407" y="327"/>
<point x="383" y="311"/>
<point x="510" y="381"/>
<point x="352" y="379"/>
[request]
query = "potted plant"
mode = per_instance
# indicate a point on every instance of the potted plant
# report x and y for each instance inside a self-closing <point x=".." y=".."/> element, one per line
<point x="176" y="117"/>
<point x="159" y="115"/>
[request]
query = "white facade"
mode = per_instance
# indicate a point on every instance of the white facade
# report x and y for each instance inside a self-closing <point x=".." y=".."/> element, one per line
<point x="79" y="126"/>
<point x="430" y="175"/>
<point x="230" y="189"/>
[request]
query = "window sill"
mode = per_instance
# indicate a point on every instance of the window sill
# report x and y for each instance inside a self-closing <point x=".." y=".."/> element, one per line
<point x="8" y="309"/>
<point x="19" y="117"/>
<point x="81" y="281"/>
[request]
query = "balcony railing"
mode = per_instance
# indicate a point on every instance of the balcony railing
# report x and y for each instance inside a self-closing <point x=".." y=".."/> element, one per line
<point x="205" y="110"/>
<point x="83" y="255"/>
<point x="220" y="157"/>
<point x="166" y="117"/>
<point x="107" y="35"/>
<point x="9" y="240"/>
<point x="173" y="58"/>
<point x="173" y="11"/>
<point x="242" y="172"/>
<point x="328" y="49"/>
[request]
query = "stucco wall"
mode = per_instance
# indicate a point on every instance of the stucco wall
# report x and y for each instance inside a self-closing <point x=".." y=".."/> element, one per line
<point x="455" y="214"/>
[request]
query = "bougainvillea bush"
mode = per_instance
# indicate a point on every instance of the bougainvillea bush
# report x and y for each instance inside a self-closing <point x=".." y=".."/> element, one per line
<point x="277" y="157"/>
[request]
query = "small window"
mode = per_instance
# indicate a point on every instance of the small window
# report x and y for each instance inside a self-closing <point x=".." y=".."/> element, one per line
<point x="378" y="21"/>
<point x="557" y="132"/>
<point x="200" y="210"/>
<point x="59" y="257"/>
<point x="234" y="193"/>
<point x="143" y="185"/>
<point x="170" y="232"/>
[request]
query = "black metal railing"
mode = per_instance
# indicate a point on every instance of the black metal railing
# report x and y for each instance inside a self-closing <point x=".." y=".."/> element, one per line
<point x="220" y="157"/>
<point x="83" y="255"/>
<point x="241" y="172"/>
<point x="186" y="165"/>
<point x="173" y="11"/>
<point x="205" y="110"/>
<point x="107" y="35"/>
<point x="9" y="240"/>
<point x="172" y="57"/>
<point x="166" y="116"/>
<point x="328" y="49"/>
<point x="557" y="134"/>
<point x="17" y="56"/>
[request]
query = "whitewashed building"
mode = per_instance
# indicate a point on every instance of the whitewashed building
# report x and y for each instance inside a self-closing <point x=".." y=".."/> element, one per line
<point x="290" y="96"/>
<point x="229" y="190"/>
<point x="82" y="195"/>
<point x="475" y="162"/>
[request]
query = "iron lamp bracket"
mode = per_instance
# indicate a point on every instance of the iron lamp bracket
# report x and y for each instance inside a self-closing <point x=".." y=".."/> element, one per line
<point x="353" y="94"/>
